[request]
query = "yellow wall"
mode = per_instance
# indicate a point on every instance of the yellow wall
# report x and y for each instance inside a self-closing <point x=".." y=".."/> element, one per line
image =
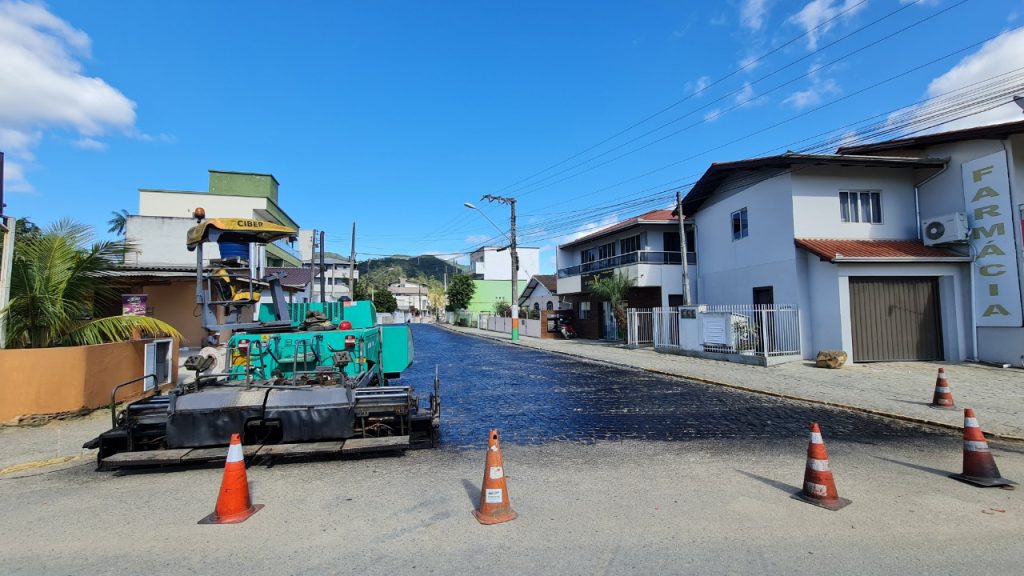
<point x="56" y="380"/>
<point x="175" y="303"/>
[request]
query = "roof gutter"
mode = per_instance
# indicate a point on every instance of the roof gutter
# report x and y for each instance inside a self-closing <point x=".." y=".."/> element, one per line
<point x="839" y="258"/>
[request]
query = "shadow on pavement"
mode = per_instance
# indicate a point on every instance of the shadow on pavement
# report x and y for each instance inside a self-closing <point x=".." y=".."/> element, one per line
<point x="773" y="483"/>
<point x="935" y="471"/>
<point x="472" y="491"/>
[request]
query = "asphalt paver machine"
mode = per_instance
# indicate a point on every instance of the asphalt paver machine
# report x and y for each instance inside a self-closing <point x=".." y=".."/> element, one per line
<point x="293" y="379"/>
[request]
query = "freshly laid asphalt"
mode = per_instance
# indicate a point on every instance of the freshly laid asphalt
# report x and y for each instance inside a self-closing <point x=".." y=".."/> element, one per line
<point x="900" y="390"/>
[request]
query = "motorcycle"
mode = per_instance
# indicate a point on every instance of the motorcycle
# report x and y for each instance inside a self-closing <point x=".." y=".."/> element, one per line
<point x="565" y="327"/>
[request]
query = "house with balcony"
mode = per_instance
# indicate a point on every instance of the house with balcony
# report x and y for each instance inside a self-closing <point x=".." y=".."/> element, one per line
<point x="836" y="238"/>
<point x="646" y="247"/>
<point x="160" y="266"/>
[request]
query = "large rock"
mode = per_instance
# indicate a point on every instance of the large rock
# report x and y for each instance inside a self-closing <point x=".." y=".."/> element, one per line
<point x="831" y="359"/>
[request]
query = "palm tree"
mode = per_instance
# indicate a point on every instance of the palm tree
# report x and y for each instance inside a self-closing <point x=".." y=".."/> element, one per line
<point x="57" y="280"/>
<point x="117" y="222"/>
<point x="614" y="289"/>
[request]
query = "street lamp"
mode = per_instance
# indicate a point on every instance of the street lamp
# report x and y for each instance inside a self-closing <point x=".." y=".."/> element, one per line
<point x="512" y="247"/>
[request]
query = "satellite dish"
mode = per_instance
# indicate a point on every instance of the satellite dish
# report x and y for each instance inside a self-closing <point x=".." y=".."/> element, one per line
<point x="935" y="230"/>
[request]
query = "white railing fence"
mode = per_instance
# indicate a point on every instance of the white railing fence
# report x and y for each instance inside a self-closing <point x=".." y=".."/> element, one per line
<point x="759" y="330"/>
<point x="639" y="329"/>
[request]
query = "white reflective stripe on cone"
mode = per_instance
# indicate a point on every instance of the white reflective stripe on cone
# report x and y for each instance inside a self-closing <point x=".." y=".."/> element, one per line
<point x="816" y="438"/>
<point x="818" y="465"/>
<point x="942" y="389"/>
<point x="976" y="446"/>
<point x="235" y="453"/>
<point x="819" y="490"/>
<point x="942" y="375"/>
<point x="970" y="423"/>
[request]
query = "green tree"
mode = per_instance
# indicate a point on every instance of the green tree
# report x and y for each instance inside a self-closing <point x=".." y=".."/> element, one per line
<point x="361" y="291"/>
<point x="118" y="221"/>
<point x="615" y="288"/>
<point x="384" y="301"/>
<point x="460" y="292"/>
<point x="502" y="308"/>
<point x="56" y="282"/>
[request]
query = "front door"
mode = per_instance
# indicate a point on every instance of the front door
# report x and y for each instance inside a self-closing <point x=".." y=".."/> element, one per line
<point x="764" y="319"/>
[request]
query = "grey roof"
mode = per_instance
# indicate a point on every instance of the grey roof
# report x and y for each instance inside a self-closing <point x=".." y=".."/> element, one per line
<point x="719" y="171"/>
<point x="990" y="132"/>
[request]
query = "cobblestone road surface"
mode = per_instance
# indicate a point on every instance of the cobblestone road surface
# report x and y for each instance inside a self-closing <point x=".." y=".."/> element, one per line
<point x="535" y="397"/>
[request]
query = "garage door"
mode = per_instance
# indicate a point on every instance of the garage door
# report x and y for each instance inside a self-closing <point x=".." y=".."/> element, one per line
<point x="895" y="318"/>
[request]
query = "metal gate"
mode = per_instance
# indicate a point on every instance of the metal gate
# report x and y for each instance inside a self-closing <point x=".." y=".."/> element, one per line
<point x="895" y="318"/>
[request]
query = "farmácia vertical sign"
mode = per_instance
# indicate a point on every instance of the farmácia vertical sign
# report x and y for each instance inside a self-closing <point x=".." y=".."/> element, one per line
<point x="987" y="198"/>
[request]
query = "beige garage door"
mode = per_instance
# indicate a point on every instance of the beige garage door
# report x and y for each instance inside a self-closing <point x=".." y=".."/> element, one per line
<point x="895" y="318"/>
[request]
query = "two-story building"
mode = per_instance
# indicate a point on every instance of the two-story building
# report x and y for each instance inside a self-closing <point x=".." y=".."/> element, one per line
<point x="837" y="237"/>
<point x="646" y="247"/>
<point x="160" y="266"/>
<point x="410" y="296"/>
<point x="982" y="183"/>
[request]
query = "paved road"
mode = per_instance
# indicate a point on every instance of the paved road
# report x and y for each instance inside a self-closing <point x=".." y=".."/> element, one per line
<point x="535" y="397"/>
<point x="612" y="472"/>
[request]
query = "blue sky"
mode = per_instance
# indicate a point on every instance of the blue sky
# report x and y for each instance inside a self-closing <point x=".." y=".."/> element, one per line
<point x="393" y="114"/>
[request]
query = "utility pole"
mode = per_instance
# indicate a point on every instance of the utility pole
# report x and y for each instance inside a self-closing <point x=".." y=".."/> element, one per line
<point x="515" y="258"/>
<point x="352" y="266"/>
<point x="323" y="278"/>
<point x="7" y="227"/>
<point x="683" y="249"/>
<point x="312" y="268"/>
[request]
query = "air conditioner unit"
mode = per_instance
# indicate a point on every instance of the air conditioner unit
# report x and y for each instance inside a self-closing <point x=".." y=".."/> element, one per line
<point x="946" y="229"/>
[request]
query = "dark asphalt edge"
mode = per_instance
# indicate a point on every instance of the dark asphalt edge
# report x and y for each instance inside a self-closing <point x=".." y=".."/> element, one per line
<point x="894" y="416"/>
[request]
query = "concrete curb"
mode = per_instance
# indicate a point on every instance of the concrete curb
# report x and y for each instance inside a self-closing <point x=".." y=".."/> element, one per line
<point x="852" y="408"/>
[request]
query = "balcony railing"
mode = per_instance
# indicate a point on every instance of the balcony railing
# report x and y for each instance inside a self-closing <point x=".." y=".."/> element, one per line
<point x="642" y="257"/>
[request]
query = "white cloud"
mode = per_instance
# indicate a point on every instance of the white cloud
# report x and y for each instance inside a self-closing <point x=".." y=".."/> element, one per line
<point x="713" y="115"/>
<point x="815" y="93"/>
<point x="589" y="228"/>
<point x="43" y="86"/>
<point x="753" y="13"/>
<point x="701" y="84"/>
<point x="86" y="143"/>
<point x="817" y="12"/>
<point x="998" y="56"/>
<point x="750" y="63"/>
<point x="745" y="96"/>
<point x="477" y="238"/>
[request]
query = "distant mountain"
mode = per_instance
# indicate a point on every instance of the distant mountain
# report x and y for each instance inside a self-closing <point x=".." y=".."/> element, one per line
<point x="390" y="268"/>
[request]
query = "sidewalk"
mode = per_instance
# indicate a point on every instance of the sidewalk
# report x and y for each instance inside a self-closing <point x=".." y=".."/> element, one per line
<point x="895" y="389"/>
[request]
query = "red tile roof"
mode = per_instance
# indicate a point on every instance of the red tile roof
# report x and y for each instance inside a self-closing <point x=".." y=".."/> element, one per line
<point x="657" y="216"/>
<point x="831" y="250"/>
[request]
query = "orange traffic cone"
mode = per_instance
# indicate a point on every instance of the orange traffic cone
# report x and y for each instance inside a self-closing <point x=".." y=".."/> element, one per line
<point x="943" y="397"/>
<point x="819" y="487"/>
<point x="979" y="465"/>
<point x="233" y="503"/>
<point x="494" y="504"/>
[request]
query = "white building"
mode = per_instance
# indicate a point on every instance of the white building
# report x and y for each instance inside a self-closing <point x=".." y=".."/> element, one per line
<point x="162" y="268"/>
<point x="836" y="236"/>
<point x="494" y="263"/>
<point x="646" y="247"/>
<point x="164" y="217"/>
<point x="337" y="268"/>
<point x="984" y="180"/>
<point x="541" y="293"/>
<point x="410" y="295"/>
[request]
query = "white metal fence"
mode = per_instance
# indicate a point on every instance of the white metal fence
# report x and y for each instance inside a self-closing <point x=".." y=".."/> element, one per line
<point x="760" y="330"/>
<point x="639" y="329"/>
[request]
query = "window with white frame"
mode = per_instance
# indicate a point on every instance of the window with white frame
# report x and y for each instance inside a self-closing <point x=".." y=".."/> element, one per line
<point x="606" y="250"/>
<point x="739" y="224"/>
<point x="861" y="206"/>
<point x="584" y="311"/>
